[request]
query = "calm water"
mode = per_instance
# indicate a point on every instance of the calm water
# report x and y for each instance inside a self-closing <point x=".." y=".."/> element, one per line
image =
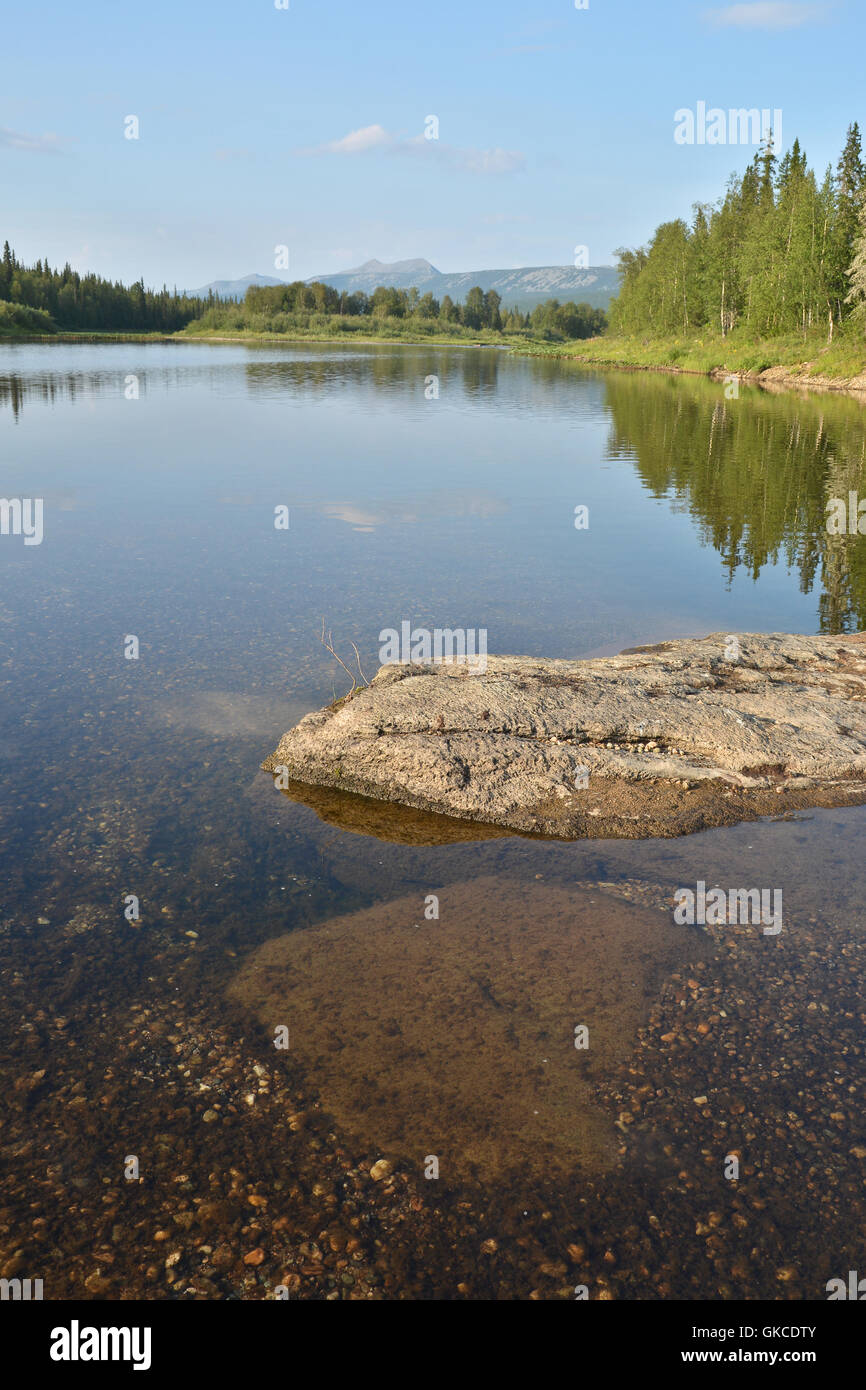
<point x="141" y="776"/>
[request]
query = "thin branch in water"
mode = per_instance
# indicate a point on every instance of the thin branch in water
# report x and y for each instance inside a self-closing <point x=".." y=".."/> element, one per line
<point x="328" y="644"/>
<point x="360" y="667"/>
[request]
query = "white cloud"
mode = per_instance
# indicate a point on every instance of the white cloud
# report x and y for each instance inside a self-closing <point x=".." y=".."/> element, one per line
<point x="765" y="14"/>
<point x="464" y="157"/>
<point x="29" y="144"/>
<point x="369" y="137"/>
<point x="473" y="161"/>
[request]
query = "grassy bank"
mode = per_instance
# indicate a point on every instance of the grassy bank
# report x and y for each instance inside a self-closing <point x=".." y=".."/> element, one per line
<point x="784" y="360"/>
<point x="363" y="329"/>
<point x="483" y="339"/>
<point x="796" y="358"/>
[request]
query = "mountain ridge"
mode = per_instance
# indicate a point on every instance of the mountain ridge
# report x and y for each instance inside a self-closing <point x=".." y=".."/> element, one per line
<point x="519" y="287"/>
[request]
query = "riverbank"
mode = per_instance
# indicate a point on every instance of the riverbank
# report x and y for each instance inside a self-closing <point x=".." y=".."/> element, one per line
<point x="780" y="362"/>
<point x="95" y="335"/>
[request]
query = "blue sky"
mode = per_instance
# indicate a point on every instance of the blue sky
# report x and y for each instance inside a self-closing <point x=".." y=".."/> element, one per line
<point x="305" y="127"/>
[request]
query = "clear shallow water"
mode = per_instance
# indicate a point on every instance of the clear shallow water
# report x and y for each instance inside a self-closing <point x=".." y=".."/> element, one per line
<point x="142" y="776"/>
<point x="705" y="515"/>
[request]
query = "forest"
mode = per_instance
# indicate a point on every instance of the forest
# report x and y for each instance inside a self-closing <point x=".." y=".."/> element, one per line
<point x="37" y="299"/>
<point x="389" y="312"/>
<point x="779" y="253"/>
<point x="86" y="303"/>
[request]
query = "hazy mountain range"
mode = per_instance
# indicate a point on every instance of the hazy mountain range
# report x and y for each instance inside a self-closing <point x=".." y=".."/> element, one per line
<point x="522" y="289"/>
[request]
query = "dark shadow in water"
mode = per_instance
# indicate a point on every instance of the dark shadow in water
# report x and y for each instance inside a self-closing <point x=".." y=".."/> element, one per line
<point x="400" y="825"/>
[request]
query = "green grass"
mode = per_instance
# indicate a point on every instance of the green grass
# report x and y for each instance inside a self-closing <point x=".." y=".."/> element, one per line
<point x="329" y="328"/>
<point x="812" y="357"/>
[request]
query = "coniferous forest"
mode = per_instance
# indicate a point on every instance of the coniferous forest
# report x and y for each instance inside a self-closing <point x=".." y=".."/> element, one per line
<point x="781" y="252"/>
<point x="37" y="299"/>
<point x="41" y="299"/>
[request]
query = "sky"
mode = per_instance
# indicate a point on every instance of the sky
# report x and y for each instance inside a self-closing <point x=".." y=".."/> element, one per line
<point x="306" y="127"/>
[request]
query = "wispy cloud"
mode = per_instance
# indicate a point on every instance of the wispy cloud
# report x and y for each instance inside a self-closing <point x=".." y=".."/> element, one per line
<point x="369" y="137"/>
<point x="471" y="161"/>
<point x="466" y="158"/>
<point x="29" y="144"/>
<point x="765" y="14"/>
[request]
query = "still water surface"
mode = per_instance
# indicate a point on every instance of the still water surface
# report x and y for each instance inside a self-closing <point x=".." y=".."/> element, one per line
<point x="141" y="776"/>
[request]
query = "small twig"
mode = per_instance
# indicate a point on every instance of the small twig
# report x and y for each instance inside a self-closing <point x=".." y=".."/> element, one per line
<point x="328" y="644"/>
<point x="360" y="667"/>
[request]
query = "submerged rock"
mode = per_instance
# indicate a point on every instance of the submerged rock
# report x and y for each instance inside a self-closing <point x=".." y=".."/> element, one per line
<point x="660" y="740"/>
<point x="477" y="1035"/>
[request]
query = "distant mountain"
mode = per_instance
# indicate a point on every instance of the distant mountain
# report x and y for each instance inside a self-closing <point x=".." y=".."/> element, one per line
<point x="234" y="289"/>
<point x="403" y="275"/>
<point x="523" y="289"/>
<point x="520" y="289"/>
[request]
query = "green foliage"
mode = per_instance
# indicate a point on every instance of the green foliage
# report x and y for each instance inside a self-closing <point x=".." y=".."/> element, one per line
<point x="87" y="302"/>
<point x="738" y="352"/>
<point x="18" y="318"/>
<point x="774" y="256"/>
<point x="856" y="296"/>
<point x="64" y="299"/>
<point x="318" y="310"/>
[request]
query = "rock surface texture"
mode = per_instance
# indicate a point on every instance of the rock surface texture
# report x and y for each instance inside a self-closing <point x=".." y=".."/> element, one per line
<point x="660" y="740"/>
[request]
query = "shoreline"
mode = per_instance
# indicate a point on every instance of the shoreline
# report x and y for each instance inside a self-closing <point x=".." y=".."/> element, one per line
<point x="776" y="376"/>
<point x="769" y="378"/>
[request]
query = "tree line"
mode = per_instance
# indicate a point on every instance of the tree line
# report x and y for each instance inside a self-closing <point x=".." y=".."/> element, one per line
<point x="298" y="304"/>
<point x="780" y="252"/>
<point x="40" y="299"/>
<point x="87" y="302"/>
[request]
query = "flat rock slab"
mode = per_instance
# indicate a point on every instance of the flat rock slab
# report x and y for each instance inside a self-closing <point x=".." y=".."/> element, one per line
<point x="657" y="741"/>
<point x="456" y="1036"/>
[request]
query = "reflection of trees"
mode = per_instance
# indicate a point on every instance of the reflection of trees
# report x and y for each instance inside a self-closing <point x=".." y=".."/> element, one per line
<point x="15" y="390"/>
<point x="755" y="474"/>
<point x="375" y="366"/>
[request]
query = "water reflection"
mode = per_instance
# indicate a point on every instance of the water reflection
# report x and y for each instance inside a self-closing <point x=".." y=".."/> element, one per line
<point x="755" y="474"/>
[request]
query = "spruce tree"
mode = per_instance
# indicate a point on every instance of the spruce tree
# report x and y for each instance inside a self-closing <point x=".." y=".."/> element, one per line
<point x="856" y="296"/>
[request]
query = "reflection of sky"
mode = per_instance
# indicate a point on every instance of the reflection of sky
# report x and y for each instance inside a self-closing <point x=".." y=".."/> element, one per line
<point x="458" y="511"/>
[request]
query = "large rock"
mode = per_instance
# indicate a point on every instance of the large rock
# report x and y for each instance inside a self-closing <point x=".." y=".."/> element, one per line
<point x="659" y="740"/>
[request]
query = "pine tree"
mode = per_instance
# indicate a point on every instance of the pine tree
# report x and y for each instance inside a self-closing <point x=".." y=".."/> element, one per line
<point x="856" y="296"/>
<point x="850" y="187"/>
